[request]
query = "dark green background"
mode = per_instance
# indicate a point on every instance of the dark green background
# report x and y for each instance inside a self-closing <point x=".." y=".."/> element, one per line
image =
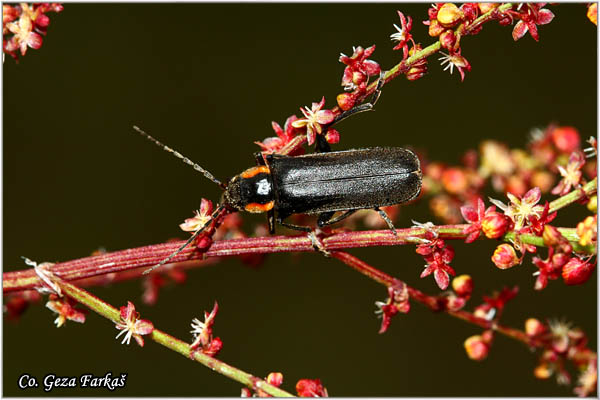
<point x="208" y="79"/>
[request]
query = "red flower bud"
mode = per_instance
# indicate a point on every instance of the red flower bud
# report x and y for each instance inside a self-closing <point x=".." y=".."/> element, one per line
<point x="577" y="271"/>
<point x="455" y="303"/>
<point x="346" y="101"/>
<point x="533" y="327"/>
<point x="463" y="285"/>
<point x="552" y="237"/>
<point x="495" y="224"/>
<point x="560" y="259"/>
<point x="310" y="388"/>
<point x="476" y="347"/>
<point x="566" y="139"/>
<point x="448" y="39"/>
<point x="275" y="378"/>
<point x="213" y="348"/>
<point x="454" y="180"/>
<point x="505" y="256"/>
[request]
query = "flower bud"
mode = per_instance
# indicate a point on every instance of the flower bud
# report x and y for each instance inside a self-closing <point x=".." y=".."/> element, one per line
<point x="416" y="73"/>
<point x="592" y="13"/>
<point x="448" y="39"/>
<point x="533" y="327"/>
<point x="358" y="78"/>
<point x="552" y="237"/>
<point x="495" y="224"/>
<point x="454" y="180"/>
<point x="516" y="185"/>
<point x="346" y="101"/>
<point x="577" y="271"/>
<point x="213" y="348"/>
<point x="542" y="179"/>
<point x="455" y="303"/>
<point x="275" y="378"/>
<point x="566" y="139"/>
<point x="486" y="7"/>
<point x="477" y="349"/>
<point x="449" y="15"/>
<point x="332" y="136"/>
<point x="463" y="285"/>
<point x="542" y="371"/>
<point x="435" y="29"/>
<point x="505" y="256"/>
<point x="592" y="205"/>
<point x="560" y="259"/>
<point x="587" y="230"/>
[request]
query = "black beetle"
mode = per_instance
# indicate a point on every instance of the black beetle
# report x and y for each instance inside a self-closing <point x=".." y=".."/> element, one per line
<point x="317" y="183"/>
<point x="323" y="183"/>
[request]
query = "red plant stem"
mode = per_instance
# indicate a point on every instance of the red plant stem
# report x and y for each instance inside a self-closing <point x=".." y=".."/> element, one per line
<point x="151" y="255"/>
<point x="170" y="342"/>
<point x="431" y="302"/>
<point x="146" y="256"/>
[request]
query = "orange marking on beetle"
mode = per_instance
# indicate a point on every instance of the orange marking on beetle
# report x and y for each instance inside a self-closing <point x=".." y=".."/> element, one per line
<point x="259" y="208"/>
<point x="250" y="172"/>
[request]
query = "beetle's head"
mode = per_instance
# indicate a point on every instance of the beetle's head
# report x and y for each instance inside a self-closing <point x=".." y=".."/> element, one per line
<point x="250" y="191"/>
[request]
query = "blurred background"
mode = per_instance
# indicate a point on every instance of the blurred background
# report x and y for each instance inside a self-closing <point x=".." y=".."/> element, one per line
<point x="208" y="79"/>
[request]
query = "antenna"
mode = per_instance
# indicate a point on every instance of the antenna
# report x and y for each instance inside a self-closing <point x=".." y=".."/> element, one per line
<point x="214" y="215"/>
<point x="181" y="157"/>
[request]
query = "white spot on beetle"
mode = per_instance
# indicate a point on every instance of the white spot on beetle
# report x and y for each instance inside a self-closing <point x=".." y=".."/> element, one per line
<point x="264" y="187"/>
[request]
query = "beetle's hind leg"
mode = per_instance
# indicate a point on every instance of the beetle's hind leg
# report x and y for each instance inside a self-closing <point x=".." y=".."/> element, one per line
<point x="326" y="218"/>
<point x="387" y="220"/>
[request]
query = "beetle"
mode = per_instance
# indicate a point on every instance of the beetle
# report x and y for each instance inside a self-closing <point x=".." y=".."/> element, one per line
<point x="317" y="183"/>
<point x="324" y="183"/>
<point x="321" y="183"/>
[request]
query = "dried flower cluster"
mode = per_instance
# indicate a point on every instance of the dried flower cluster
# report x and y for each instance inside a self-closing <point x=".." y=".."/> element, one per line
<point x="23" y="26"/>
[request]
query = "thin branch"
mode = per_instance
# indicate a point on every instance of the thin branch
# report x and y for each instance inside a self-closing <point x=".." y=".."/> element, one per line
<point x="431" y="302"/>
<point x="170" y="342"/>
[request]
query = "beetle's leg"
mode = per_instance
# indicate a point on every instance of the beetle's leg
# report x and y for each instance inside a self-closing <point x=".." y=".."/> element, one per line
<point x="363" y="107"/>
<point x="387" y="220"/>
<point x="259" y="158"/>
<point x="317" y="244"/>
<point x="322" y="145"/>
<point x="295" y="227"/>
<point x="325" y="218"/>
<point x="271" y="220"/>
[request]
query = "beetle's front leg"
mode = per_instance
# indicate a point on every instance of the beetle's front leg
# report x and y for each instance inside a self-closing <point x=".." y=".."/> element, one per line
<point x="363" y="107"/>
<point x="260" y="160"/>
<point x="271" y="220"/>
<point x="322" y="145"/>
